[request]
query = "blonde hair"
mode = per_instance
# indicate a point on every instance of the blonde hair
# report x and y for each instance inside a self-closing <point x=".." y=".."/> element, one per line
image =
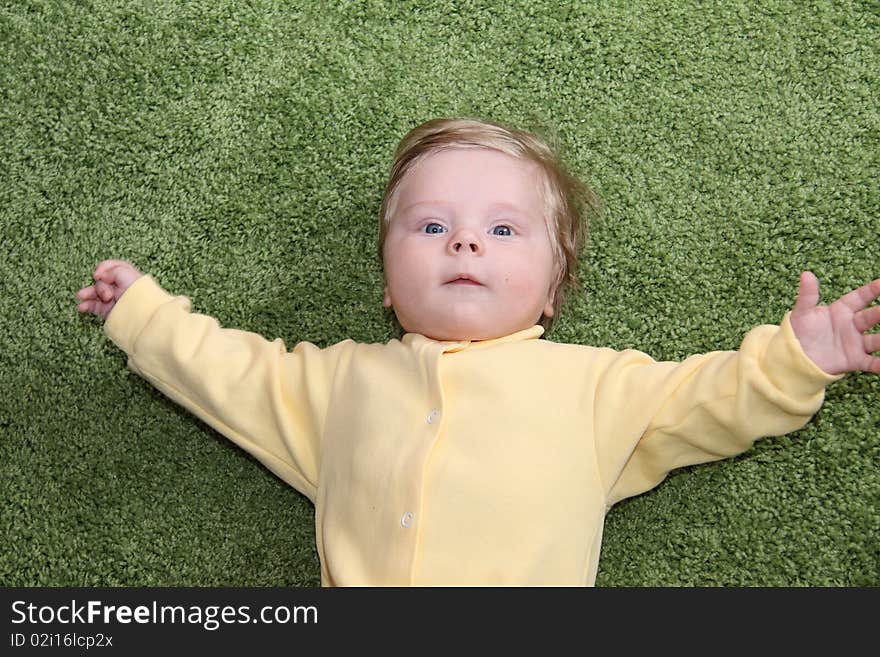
<point x="569" y="203"/>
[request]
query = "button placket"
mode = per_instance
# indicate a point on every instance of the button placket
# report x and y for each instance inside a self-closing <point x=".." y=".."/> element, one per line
<point x="407" y="519"/>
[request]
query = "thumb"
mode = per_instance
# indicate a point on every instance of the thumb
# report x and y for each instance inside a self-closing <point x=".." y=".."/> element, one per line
<point x="808" y="293"/>
<point x="122" y="276"/>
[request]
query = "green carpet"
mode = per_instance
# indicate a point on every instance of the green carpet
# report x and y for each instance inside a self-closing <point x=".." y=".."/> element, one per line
<point x="237" y="152"/>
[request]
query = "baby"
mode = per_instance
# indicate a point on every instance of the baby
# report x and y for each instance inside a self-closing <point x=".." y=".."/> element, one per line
<point x="471" y="452"/>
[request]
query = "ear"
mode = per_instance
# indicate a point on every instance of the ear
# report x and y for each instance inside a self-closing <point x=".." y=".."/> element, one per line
<point x="551" y="297"/>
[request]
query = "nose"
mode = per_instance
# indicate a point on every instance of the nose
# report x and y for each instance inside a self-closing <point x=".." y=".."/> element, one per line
<point x="465" y="240"/>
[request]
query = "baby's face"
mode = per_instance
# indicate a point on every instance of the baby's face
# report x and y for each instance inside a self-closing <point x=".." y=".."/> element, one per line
<point x="475" y="213"/>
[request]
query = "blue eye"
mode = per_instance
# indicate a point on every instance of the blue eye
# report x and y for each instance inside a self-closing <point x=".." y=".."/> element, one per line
<point x="507" y="228"/>
<point x="434" y="228"/>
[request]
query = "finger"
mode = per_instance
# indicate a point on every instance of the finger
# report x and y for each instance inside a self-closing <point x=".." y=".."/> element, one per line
<point x="873" y="366"/>
<point x="87" y="292"/>
<point x="865" y="320"/>
<point x="808" y="291"/>
<point x="861" y="297"/>
<point x="96" y="307"/>
<point x="871" y="342"/>
<point x="103" y="291"/>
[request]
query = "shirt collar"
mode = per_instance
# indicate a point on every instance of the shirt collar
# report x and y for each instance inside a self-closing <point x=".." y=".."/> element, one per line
<point x="531" y="333"/>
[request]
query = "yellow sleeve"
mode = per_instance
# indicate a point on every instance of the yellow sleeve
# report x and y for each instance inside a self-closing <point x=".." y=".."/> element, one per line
<point x="653" y="417"/>
<point x="269" y="401"/>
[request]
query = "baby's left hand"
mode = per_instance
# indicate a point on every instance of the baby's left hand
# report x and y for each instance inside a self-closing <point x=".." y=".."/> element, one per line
<point x="832" y="336"/>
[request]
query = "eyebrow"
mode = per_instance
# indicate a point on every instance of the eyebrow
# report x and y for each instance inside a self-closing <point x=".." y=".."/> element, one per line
<point x="418" y="203"/>
<point x="499" y="205"/>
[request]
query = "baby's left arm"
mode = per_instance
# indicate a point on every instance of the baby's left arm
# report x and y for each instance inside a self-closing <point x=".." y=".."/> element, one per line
<point x="834" y="336"/>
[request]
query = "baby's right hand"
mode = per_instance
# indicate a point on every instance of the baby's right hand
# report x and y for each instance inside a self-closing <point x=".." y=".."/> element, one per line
<point x="112" y="279"/>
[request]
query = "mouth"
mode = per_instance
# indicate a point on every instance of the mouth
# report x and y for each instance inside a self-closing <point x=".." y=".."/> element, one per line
<point x="463" y="279"/>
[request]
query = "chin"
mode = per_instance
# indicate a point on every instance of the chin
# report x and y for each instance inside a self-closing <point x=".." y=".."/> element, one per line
<point x="451" y="328"/>
<point x="472" y="332"/>
<point x="447" y="331"/>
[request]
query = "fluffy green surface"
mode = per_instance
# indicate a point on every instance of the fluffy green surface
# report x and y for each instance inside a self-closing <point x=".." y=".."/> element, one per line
<point x="237" y="151"/>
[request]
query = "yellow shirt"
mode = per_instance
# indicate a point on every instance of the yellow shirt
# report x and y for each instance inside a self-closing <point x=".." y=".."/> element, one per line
<point x="465" y="463"/>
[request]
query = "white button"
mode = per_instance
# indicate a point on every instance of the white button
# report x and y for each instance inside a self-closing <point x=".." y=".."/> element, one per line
<point x="433" y="416"/>
<point x="406" y="519"/>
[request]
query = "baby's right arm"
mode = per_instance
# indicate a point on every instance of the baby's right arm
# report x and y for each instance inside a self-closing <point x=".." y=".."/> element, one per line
<point x="270" y="401"/>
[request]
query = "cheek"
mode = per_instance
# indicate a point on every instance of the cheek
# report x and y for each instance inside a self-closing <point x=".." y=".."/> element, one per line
<point x="527" y="276"/>
<point x="405" y="269"/>
<point x="520" y="282"/>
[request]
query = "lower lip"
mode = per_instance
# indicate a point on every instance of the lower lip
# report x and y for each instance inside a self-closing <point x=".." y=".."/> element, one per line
<point x="463" y="282"/>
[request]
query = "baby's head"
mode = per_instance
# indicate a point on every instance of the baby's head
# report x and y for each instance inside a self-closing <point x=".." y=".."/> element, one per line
<point x="480" y="230"/>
